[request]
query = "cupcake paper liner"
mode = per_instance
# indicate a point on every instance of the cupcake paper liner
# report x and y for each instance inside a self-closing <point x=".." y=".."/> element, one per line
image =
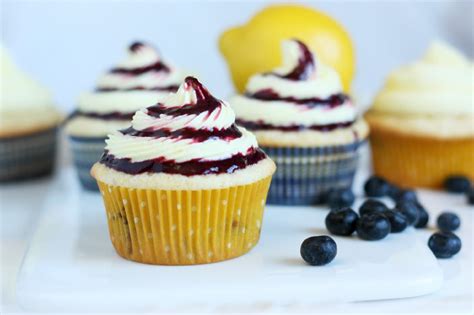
<point x="184" y="227"/>
<point x="411" y="161"/>
<point x="86" y="152"/>
<point x="304" y="175"/>
<point x="29" y="156"/>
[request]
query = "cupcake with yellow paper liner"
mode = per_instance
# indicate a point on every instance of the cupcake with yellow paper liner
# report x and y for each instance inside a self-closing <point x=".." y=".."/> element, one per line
<point x="422" y="120"/>
<point x="184" y="185"/>
<point x="139" y="81"/>
<point x="28" y="125"/>
<point x="305" y="123"/>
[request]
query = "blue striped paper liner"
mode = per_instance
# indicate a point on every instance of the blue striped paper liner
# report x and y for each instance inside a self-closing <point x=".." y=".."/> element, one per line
<point x="305" y="175"/>
<point x="86" y="151"/>
<point x="28" y="156"/>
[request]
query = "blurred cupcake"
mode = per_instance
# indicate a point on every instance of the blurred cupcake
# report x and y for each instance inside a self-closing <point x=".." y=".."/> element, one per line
<point x="137" y="82"/>
<point x="28" y="125"/>
<point x="305" y="123"/>
<point x="184" y="185"/>
<point x="422" y="120"/>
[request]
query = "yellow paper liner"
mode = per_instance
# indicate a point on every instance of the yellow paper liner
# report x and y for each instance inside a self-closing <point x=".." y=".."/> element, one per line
<point x="411" y="161"/>
<point x="184" y="227"/>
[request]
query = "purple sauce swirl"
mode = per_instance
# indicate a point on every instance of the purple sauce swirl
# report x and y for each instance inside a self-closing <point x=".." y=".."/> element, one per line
<point x="269" y="94"/>
<point x="157" y="66"/>
<point x="103" y="116"/>
<point x="189" y="168"/>
<point x="205" y="102"/>
<point x="304" y="68"/>
<point x="260" y="125"/>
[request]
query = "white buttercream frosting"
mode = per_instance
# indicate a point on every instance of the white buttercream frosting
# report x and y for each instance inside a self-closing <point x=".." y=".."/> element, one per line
<point x="441" y="83"/>
<point x="140" y="80"/>
<point x="25" y="103"/>
<point x="179" y="150"/>
<point x="319" y="82"/>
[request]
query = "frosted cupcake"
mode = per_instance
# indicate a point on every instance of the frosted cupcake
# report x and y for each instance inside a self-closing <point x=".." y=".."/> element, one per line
<point x="141" y="80"/>
<point x="184" y="185"/>
<point x="28" y="125"/>
<point x="305" y="123"/>
<point x="423" y="120"/>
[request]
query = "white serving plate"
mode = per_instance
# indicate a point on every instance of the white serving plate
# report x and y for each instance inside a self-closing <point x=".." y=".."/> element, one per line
<point x="71" y="265"/>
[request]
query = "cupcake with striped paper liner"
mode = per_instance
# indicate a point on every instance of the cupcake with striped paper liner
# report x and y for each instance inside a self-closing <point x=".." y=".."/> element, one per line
<point x="184" y="185"/>
<point x="305" y="123"/>
<point x="28" y="125"/>
<point x="141" y="80"/>
<point x="422" y="120"/>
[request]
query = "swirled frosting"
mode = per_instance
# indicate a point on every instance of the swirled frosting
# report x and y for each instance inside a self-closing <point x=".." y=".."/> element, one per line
<point x="25" y="103"/>
<point x="301" y="94"/>
<point x="441" y="83"/>
<point x="189" y="133"/>
<point x="137" y="82"/>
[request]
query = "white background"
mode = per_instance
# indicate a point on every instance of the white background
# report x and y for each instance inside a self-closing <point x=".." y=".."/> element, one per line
<point x="67" y="44"/>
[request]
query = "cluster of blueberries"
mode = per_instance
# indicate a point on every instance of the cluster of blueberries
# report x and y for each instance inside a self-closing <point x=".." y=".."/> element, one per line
<point x="375" y="220"/>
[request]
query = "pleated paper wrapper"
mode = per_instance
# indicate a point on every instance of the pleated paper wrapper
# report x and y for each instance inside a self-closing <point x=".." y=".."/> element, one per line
<point x="184" y="227"/>
<point x="411" y="161"/>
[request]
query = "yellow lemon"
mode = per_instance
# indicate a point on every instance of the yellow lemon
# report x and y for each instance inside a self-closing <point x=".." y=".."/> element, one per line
<point x="255" y="46"/>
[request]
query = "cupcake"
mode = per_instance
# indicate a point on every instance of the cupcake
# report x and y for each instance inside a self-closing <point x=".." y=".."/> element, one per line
<point x="184" y="185"/>
<point x="28" y="125"/>
<point x="141" y="80"/>
<point x="305" y="123"/>
<point x="423" y="120"/>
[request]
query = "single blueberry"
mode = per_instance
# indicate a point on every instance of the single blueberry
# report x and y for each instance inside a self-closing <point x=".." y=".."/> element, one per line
<point x="340" y="198"/>
<point x="342" y="221"/>
<point x="372" y="205"/>
<point x="448" y="222"/>
<point x="393" y="191"/>
<point x="470" y="196"/>
<point x="398" y="222"/>
<point x="405" y="195"/>
<point x="423" y="216"/>
<point x="444" y="244"/>
<point x="376" y="187"/>
<point x="409" y="210"/>
<point x="457" y="184"/>
<point x="373" y="227"/>
<point x="318" y="250"/>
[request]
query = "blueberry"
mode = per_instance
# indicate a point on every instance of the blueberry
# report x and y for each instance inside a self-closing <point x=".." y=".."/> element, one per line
<point x="398" y="222"/>
<point x="342" y="222"/>
<point x="448" y="222"/>
<point x="470" y="196"/>
<point x="318" y="250"/>
<point x="423" y="216"/>
<point x="376" y="187"/>
<point x="457" y="184"/>
<point x="373" y="227"/>
<point x="372" y="205"/>
<point x="340" y="198"/>
<point x="409" y="210"/>
<point x="405" y="195"/>
<point x="393" y="191"/>
<point x="444" y="244"/>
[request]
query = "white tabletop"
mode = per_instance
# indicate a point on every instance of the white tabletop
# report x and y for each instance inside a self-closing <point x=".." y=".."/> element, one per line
<point x="20" y="204"/>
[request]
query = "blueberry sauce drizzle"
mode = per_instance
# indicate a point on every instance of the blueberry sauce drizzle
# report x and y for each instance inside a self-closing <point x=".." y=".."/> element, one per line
<point x="260" y="125"/>
<point x="205" y="102"/>
<point x="305" y="67"/>
<point x="105" y="116"/>
<point x="170" y="88"/>
<point x="198" y="135"/>
<point x="270" y="95"/>
<point x="189" y="168"/>
<point x="157" y="66"/>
